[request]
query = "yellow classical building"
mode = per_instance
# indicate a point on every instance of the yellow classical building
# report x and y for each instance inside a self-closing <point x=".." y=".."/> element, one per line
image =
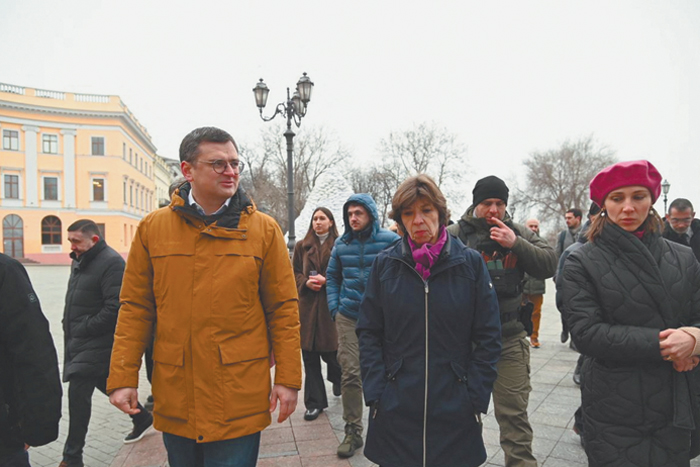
<point x="67" y="156"/>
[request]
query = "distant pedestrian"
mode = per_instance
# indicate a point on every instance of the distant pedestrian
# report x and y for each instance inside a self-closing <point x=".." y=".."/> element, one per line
<point x="89" y="321"/>
<point x="30" y="386"/>
<point x="430" y="337"/>
<point x="566" y="238"/>
<point x="319" y="338"/>
<point x="627" y="295"/>
<point x="681" y="226"/>
<point x="350" y="263"/>
<point x="533" y="291"/>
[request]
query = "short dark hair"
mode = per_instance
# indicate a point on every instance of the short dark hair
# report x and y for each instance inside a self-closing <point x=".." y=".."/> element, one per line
<point x="418" y="186"/>
<point x="189" y="148"/>
<point x="85" y="226"/>
<point x="175" y="185"/>
<point x="680" y="204"/>
<point x="576" y="212"/>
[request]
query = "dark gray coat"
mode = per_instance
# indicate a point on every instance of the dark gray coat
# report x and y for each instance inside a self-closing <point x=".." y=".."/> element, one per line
<point x="618" y="293"/>
<point x="90" y="313"/>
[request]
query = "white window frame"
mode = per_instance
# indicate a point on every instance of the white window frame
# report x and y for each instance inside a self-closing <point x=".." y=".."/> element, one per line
<point x="43" y="187"/>
<point x="42" y="143"/>
<point x="104" y="146"/>
<point x="92" y="188"/>
<point x="19" y="143"/>
<point x="19" y="185"/>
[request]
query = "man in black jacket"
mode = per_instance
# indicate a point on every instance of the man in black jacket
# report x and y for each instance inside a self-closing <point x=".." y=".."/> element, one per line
<point x="681" y="225"/>
<point x="30" y="387"/>
<point x="89" y="321"/>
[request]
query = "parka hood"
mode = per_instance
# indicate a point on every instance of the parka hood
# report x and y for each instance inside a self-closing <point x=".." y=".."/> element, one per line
<point x="365" y="200"/>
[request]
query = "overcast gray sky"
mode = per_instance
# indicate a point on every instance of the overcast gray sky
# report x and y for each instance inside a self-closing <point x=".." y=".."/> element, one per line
<point x="508" y="77"/>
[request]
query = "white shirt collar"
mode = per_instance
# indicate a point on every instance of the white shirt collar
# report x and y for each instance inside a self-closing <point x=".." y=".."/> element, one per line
<point x="199" y="208"/>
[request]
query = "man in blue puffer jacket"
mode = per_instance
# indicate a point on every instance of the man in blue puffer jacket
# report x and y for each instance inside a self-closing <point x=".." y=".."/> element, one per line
<point x="348" y="268"/>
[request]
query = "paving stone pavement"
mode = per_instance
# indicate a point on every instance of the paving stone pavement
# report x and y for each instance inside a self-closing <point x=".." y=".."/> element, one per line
<point x="296" y="442"/>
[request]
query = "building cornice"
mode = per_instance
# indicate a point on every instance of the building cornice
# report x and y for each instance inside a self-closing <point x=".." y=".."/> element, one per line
<point x="123" y="116"/>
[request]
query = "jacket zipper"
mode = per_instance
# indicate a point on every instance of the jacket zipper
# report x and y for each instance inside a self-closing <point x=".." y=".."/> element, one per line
<point x="427" y="356"/>
<point x="425" y="401"/>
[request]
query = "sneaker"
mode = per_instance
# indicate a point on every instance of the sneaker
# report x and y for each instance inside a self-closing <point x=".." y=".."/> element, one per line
<point x="534" y="342"/>
<point x="350" y="444"/>
<point x="139" y="430"/>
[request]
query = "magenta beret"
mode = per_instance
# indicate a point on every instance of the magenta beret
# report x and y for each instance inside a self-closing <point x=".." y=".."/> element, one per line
<point x="630" y="173"/>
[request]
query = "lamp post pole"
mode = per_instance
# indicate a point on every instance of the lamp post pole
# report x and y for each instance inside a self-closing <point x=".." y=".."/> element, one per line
<point x="294" y="108"/>
<point x="665" y="186"/>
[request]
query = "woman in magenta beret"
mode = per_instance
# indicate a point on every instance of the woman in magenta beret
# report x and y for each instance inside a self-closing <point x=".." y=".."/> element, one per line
<point x="632" y="302"/>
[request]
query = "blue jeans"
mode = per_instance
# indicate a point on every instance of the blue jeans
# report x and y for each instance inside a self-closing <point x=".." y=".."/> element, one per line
<point x="237" y="452"/>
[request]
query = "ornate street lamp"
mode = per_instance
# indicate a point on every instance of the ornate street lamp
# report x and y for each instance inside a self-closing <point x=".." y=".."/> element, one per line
<point x="665" y="186"/>
<point x="294" y="108"/>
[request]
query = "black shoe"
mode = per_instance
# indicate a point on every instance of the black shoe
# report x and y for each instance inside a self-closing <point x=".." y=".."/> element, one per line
<point x="312" y="414"/>
<point x="564" y="336"/>
<point x="577" y="377"/>
<point x="336" y="389"/>
<point x="139" y="430"/>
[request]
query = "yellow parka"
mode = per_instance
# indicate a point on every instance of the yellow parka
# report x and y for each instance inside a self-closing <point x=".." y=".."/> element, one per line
<point x="220" y="293"/>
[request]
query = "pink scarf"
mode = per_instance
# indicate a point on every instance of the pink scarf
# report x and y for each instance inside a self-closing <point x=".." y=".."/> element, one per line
<point x="426" y="255"/>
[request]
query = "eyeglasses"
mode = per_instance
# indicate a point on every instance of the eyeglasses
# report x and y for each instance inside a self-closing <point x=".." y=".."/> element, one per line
<point x="220" y="165"/>
<point x="687" y="220"/>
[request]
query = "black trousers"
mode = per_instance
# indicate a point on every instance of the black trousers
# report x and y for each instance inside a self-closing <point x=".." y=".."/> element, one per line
<point x="314" y="388"/>
<point x="80" y="392"/>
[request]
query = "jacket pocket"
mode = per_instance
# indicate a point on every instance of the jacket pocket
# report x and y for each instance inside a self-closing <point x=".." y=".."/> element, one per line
<point x="246" y="378"/>
<point x="169" y="381"/>
<point x="389" y="400"/>
<point x="614" y="395"/>
<point x="461" y="377"/>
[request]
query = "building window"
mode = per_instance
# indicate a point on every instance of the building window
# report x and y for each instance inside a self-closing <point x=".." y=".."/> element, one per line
<point x="131" y="196"/>
<point x="13" y="236"/>
<point x="98" y="189"/>
<point x="12" y="186"/>
<point x="124" y="191"/>
<point x="10" y="140"/>
<point x="124" y="151"/>
<point x="51" y="188"/>
<point x="101" y="228"/>
<point x="49" y="144"/>
<point x="51" y="230"/>
<point x="98" y="146"/>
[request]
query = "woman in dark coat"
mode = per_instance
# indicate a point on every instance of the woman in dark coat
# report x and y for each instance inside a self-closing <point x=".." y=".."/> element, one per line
<point x="319" y="338"/>
<point x="430" y="337"/>
<point x="629" y="297"/>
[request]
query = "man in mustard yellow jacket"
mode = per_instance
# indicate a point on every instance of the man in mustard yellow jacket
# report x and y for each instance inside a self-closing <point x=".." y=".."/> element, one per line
<point x="215" y="275"/>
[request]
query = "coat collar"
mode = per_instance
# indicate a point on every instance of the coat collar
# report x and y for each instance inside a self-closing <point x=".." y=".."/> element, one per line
<point x="86" y="258"/>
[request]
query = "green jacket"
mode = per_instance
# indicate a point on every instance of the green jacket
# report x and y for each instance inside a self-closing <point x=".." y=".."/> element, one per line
<point x="535" y="257"/>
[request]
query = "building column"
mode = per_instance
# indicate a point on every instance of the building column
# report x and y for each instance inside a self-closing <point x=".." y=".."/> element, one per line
<point x="69" y="188"/>
<point x="31" y="165"/>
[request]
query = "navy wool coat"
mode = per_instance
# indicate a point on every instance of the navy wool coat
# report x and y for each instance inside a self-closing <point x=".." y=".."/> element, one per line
<point x="428" y="353"/>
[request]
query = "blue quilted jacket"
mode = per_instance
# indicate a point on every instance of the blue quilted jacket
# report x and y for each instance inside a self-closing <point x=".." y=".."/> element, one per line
<point x="351" y="259"/>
